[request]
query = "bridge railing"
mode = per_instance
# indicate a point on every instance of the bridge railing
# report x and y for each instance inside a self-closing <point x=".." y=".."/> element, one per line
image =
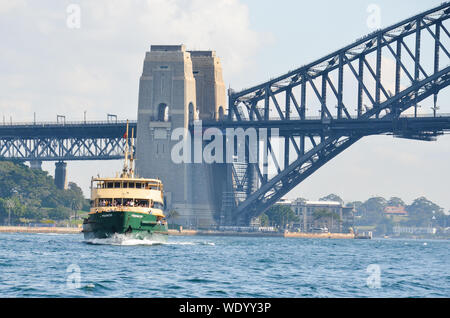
<point x="67" y="123"/>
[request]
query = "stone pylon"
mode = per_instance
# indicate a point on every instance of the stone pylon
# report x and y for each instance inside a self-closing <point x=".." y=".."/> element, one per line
<point x="176" y="88"/>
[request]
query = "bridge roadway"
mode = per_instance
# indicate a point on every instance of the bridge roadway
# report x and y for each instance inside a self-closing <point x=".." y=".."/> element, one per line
<point x="89" y="129"/>
<point x="292" y="127"/>
<point x="64" y="141"/>
<point x="403" y="126"/>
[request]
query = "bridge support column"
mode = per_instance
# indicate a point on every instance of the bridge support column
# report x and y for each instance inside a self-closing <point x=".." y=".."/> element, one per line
<point x="36" y="164"/>
<point x="176" y="88"/>
<point x="61" y="175"/>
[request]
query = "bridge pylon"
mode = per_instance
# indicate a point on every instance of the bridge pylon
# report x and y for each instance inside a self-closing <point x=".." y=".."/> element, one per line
<point x="178" y="87"/>
<point x="61" y="175"/>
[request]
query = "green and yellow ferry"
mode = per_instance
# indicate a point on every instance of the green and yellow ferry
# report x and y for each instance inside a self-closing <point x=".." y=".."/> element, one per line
<point x="126" y="205"/>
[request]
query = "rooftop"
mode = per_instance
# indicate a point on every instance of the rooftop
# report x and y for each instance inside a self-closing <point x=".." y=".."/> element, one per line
<point x="202" y="53"/>
<point x="168" y="48"/>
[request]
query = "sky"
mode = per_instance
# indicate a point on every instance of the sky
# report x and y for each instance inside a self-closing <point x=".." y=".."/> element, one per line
<point x="52" y="63"/>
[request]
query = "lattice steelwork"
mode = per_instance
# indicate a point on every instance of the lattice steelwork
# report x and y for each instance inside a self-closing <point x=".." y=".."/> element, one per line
<point x="62" y="142"/>
<point x="354" y="91"/>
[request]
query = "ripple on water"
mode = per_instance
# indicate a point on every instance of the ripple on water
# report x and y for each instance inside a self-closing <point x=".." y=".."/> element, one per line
<point x="36" y="266"/>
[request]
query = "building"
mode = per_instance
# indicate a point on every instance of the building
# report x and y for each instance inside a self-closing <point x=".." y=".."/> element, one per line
<point x="399" y="230"/>
<point x="284" y="201"/>
<point x="336" y="218"/>
<point x="395" y="210"/>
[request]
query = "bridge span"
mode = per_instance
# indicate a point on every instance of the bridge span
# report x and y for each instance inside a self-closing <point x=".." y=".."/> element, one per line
<point x="346" y="88"/>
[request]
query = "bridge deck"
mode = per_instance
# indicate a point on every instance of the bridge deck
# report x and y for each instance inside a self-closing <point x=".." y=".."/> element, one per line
<point x="100" y="129"/>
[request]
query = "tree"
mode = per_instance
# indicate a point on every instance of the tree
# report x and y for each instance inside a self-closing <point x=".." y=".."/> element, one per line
<point x="423" y="212"/>
<point x="372" y="210"/>
<point x="34" y="194"/>
<point x="332" y="197"/>
<point x="326" y="217"/>
<point x="264" y="219"/>
<point x="395" y="201"/>
<point x="281" y="215"/>
<point x="354" y="204"/>
<point x="172" y="214"/>
<point x="385" y="226"/>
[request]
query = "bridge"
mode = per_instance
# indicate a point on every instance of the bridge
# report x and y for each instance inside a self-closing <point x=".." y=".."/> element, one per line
<point x="346" y="88"/>
<point x="61" y="141"/>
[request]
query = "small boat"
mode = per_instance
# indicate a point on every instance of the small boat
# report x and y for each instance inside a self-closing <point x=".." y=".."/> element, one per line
<point x="127" y="205"/>
<point x="364" y="236"/>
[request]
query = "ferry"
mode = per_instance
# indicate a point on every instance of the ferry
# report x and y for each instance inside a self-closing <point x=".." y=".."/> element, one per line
<point x="126" y="204"/>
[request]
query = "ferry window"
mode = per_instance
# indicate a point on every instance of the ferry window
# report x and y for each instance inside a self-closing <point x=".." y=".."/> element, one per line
<point x="116" y="184"/>
<point x="105" y="202"/>
<point x="138" y="185"/>
<point x="128" y="202"/>
<point x="142" y="203"/>
<point x="109" y="185"/>
<point x="130" y="184"/>
<point x="125" y="185"/>
<point x="92" y="203"/>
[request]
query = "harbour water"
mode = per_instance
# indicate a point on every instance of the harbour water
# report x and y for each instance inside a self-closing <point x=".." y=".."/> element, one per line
<point x="64" y="265"/>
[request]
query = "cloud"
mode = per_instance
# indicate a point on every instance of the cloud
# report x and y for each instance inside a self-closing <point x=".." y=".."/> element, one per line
<point x="8" y="6"/>
<point x="52" y="67"/>
<point x="221" y="25"/>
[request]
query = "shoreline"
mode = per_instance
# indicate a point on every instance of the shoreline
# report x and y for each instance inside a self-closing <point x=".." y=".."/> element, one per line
<point x="71" y="230"/>
<point x="30" y="229"/>
<point x="173" y="232"/>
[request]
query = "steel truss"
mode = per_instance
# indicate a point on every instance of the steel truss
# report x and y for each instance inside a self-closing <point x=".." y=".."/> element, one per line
<point x="62" y="142"/>
<point x="321" y="84"/>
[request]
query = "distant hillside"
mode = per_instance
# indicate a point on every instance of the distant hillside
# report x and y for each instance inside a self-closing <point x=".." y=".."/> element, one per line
<point x="31" y="194"/>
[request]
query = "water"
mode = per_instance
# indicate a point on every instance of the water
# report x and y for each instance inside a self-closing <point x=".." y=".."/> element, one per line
<point x="46" y="265"/>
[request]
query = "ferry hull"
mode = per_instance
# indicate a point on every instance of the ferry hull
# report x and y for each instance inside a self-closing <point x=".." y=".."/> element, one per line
<point x="136" y="225"/>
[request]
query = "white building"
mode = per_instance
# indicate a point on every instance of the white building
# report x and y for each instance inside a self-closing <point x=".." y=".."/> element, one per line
<point x="308" y="223"/>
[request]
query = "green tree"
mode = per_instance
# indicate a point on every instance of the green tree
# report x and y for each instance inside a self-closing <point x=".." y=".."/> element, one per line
<point x="385" y="226"/>
<point x="34" y="194"/>
<point x="371" y="211"/>
<point x="281" y="215"/>
<point x="332" y="197"/>
<point x="59" y="213"/>
<point x="326" y="217"/>
<point x="172" y="214"/>
<point x="264" y="220"/>
<point x="395" y="201"/>
<point x="423" y="212"/>
<point x="354" y="204"/>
